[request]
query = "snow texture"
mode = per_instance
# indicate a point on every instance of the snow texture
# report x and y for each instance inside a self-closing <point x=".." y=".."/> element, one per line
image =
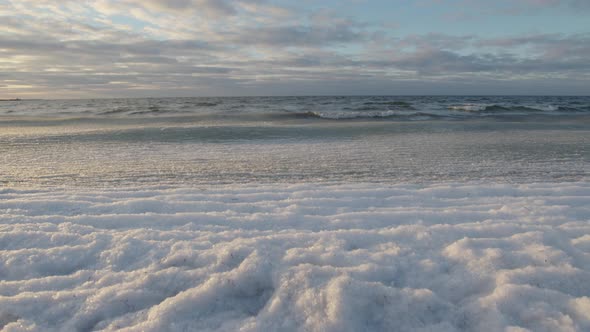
<point x="363" y="257"/>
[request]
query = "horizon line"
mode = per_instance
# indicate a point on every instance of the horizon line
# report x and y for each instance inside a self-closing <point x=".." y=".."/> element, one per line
<point x="304" y="96"/>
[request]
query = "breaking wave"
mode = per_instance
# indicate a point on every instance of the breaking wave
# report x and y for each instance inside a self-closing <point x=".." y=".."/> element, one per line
<point x="253" y="109"/>
<point x="395" y="104"/>
<point x="351" y="115"/>
<point x="505" y="108"/>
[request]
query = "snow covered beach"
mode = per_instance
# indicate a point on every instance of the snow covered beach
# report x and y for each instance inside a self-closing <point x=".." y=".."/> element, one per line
<point x="305" y="257"/>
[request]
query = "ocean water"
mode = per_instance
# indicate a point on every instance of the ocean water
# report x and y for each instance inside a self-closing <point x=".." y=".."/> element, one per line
<point x="295" y="214"/>
<point x="384" y="139"/>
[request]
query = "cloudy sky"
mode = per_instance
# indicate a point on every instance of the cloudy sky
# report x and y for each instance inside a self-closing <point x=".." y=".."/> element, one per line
<point x="134" y="48"/>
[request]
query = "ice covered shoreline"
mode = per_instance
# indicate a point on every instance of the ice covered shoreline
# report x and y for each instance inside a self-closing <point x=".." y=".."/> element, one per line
<point x="359" y="257"/>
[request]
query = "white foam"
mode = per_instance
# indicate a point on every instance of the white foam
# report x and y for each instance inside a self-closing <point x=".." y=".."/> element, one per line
<point x="447" y="257"/>
<point x="470" y="107"/>
<point x="544" y="107"/>
<point x="335" y="115"/>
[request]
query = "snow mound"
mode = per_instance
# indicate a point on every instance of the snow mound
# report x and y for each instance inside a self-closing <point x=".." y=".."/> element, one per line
<point x="365" y="257"/>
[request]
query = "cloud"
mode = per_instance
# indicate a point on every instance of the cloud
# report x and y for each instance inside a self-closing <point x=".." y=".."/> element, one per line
<point x="580" y="4"/>
<point x="520" y="7"/>
<point x="215" y="8"/>
<point x="543" y="55"/>
<point x="101" y="47"/>
<point x="475" y="10"/>
<point x="301" y="35"/>
<point x="572" y="4"/>
<point x="555" y="47"/>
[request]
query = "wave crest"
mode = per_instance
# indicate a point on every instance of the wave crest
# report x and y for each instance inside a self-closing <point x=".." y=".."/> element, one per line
<point x="364" y="115"/>
<point x="503" y="108"/>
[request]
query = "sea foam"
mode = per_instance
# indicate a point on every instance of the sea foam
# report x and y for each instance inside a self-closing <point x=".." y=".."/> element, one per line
<point x="444" y="257"/>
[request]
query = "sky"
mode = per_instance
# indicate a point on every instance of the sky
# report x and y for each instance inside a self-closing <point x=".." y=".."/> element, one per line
<point x="159" y="48"/>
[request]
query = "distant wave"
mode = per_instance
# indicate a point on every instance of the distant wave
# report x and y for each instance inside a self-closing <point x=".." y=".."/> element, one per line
<point x="503" y="108"/>
<point x="470" y="107"/>
<point x="203" y="104"/>
<point x="351" y="115"/>
<point x="396" y="104"/>
<point x="157" y="110"/>
<point x="255" y="109"/>
<point x="115" y="111"/>
<point x="408" y="112"/>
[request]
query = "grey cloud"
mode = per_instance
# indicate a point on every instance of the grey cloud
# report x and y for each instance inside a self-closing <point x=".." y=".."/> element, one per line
<point x="215" y="8"/>
<point x="44" y="47"/>
<point x="170" y="4"/>
<point x="435" y="40"/>
<point x="485" y="8"/>
<point x="211" y="7"/>
<point x="436" y="54"/>
<point x="298" y="35"/>
<point x="433" y="62"/>
<point x="318" y="53"/>
<point x="550" y="46"/>
<point x="577" y="4"/>
<point x="581" y="4"/>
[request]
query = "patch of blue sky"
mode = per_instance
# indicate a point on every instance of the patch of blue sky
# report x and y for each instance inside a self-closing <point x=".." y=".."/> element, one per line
<point x="459" y="17"/>
<point x="130" y="21"/>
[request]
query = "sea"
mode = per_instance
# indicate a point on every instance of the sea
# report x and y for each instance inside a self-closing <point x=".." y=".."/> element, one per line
<point x="324" y="139"/>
